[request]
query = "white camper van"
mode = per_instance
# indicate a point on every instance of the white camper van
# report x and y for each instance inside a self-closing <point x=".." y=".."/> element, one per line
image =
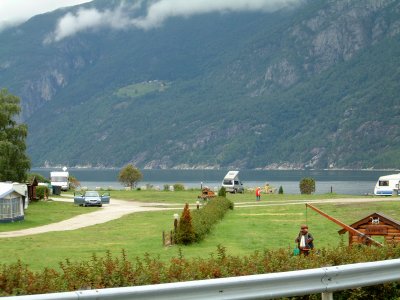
<point x="232" y="183"/>
<point x="60" y="179"/>
<point x="386" y="184"/>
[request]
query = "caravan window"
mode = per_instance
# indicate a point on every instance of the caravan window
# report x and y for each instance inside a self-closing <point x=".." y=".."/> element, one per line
<point x="59" y="179"/>
<point x="228" y="182"/>
<point x="383" y="182"/>
<point x="236" y="182"/>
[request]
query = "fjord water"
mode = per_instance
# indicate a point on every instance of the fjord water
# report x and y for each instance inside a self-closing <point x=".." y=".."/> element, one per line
<point x="353" y="182"/>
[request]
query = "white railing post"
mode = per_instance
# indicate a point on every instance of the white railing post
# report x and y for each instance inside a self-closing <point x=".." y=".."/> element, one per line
<point x="327" y="296"/>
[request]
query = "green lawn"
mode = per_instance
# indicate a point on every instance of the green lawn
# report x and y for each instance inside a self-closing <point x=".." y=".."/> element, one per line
<point x="45" y="212"/>
<point x="190" y="196"/>
<point x="242" y="231"/>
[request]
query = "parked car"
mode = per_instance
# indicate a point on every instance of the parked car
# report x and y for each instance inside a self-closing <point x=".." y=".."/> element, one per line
<point x="91" y="198"/>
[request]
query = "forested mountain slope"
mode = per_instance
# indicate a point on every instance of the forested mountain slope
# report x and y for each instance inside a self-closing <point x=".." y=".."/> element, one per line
<point x="310" y="86"/>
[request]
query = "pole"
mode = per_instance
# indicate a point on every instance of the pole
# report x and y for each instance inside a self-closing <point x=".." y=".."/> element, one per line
<point x="345" y="226"/>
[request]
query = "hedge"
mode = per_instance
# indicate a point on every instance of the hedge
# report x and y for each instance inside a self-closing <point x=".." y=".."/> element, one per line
<point x="202" y="220"/>
<point x="109" y="271"/>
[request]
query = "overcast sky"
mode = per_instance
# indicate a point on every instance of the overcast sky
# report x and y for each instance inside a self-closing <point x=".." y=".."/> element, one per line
<point x="14" y="12"/>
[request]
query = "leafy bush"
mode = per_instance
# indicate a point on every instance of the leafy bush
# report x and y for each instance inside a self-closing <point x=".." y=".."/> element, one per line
<point x="42" y="192"/>
<point x="179" y="187"/>
<point x="222" y="192"/>
<point x="307" y="186"/>
<point x="109" y="271"/>
<point x="73" y="183"/>
<point x="39" y="178"/>
<point x="166" y="187"/>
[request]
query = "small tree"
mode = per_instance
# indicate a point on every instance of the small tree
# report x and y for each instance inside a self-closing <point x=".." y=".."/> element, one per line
<point x="280" y="191"/>
<point x="307" y="186"/>
<point x="179" y="187"/>
<point x="130" y="176"/>
<point x="222" y="192"/>
<point x="73" y="182"/>
<point x="185" y="232"/>
<point x="39" y="178"/>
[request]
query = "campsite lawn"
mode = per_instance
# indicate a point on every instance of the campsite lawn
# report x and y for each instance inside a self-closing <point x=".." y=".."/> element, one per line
<point x="242" y="231"/>
<point x="190" y="196"/>
<point x="45" y="212"/>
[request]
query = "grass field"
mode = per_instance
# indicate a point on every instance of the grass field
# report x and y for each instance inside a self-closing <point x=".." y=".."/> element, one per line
<point x="45" y="212"/>
<point x="243" y="230"/>
<point x="190" y="196"/>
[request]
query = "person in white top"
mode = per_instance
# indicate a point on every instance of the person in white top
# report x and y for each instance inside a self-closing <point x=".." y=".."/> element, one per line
<point x="305" y="240"/>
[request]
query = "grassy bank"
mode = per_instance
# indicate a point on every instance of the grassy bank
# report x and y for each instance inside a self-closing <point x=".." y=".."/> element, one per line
<point x="242" y="231"/>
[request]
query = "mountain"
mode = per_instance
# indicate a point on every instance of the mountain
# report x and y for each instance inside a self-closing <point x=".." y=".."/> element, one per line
<point x="309" y="86"/>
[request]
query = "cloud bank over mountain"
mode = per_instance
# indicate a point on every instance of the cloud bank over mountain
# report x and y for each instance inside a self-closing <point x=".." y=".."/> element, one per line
<point x="15" y="12"/>
<point x="157" y="12"/>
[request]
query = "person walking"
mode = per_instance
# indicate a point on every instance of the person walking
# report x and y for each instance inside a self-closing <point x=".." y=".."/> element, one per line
<point x="305" y="240"/>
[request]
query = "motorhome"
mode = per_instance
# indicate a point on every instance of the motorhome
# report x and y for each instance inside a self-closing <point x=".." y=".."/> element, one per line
<point x="232" y="183"/>
<point x="387" y="185"/>
<point x="60" y="179"/>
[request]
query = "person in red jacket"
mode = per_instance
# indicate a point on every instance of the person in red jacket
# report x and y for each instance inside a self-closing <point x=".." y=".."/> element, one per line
<point x="258" y="194"/>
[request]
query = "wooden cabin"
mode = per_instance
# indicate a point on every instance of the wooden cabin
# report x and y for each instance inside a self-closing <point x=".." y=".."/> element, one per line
<point x="376" y="224"/>
<point x="32" y="189"/>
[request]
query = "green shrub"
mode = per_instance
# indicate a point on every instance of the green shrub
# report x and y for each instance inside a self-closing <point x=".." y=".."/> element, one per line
<point x="185" y="233"/>
<point x="179" y="187"/>
<point x="222" y="192"/>
<point x="42" y="192"/>
<point x="166" y="187"/>
<point x="109" y="271"/>
<point x="280" y="191"/>
<point x="39" y="178"/>
<point x="307" y="186"/>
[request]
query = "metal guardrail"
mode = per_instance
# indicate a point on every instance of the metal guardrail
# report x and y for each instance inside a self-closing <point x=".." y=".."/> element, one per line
<point x="265" y="286"/>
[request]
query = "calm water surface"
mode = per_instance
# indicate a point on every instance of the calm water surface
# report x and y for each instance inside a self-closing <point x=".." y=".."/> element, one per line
<point x="342" y="182"/>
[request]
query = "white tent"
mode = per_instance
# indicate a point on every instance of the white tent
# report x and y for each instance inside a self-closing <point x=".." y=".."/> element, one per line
<point x="231" y="175"/>
<point x="12" y="200"/>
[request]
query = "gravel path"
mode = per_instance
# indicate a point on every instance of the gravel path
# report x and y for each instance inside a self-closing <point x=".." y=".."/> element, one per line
<point x="118" y="208"/>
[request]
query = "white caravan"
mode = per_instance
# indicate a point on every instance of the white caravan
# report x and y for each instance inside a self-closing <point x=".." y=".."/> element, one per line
<point x="386" y="184"/>
<point x="60" y="179"/>
<point x="231" y="182"/>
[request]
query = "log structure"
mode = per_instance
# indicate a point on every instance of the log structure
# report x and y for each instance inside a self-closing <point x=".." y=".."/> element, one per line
<point x="376" y="224"/>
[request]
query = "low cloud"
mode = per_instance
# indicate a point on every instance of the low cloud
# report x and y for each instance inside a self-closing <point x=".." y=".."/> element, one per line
<point x="85" y="19"/>
<point x="158" y="12"/>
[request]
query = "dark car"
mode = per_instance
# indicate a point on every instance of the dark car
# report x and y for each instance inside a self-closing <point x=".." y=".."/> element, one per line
<point x="92" y="198"/>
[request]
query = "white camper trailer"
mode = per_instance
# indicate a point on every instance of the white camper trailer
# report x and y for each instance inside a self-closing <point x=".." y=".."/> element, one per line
<point x="60" y="179"/>
<point x="232" y="183"/>
<point x="13" y="201"/>
<point x="387" y="185"/>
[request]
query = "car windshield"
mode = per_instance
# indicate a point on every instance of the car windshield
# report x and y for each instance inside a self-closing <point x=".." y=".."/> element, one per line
<point x="92" y="194"/>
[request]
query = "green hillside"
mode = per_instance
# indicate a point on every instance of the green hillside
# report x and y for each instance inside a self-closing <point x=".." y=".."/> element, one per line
<point x="315" y="86"/>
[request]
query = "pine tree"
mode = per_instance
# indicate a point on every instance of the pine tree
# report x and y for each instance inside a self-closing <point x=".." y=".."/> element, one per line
<point x="185" y="233"/>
